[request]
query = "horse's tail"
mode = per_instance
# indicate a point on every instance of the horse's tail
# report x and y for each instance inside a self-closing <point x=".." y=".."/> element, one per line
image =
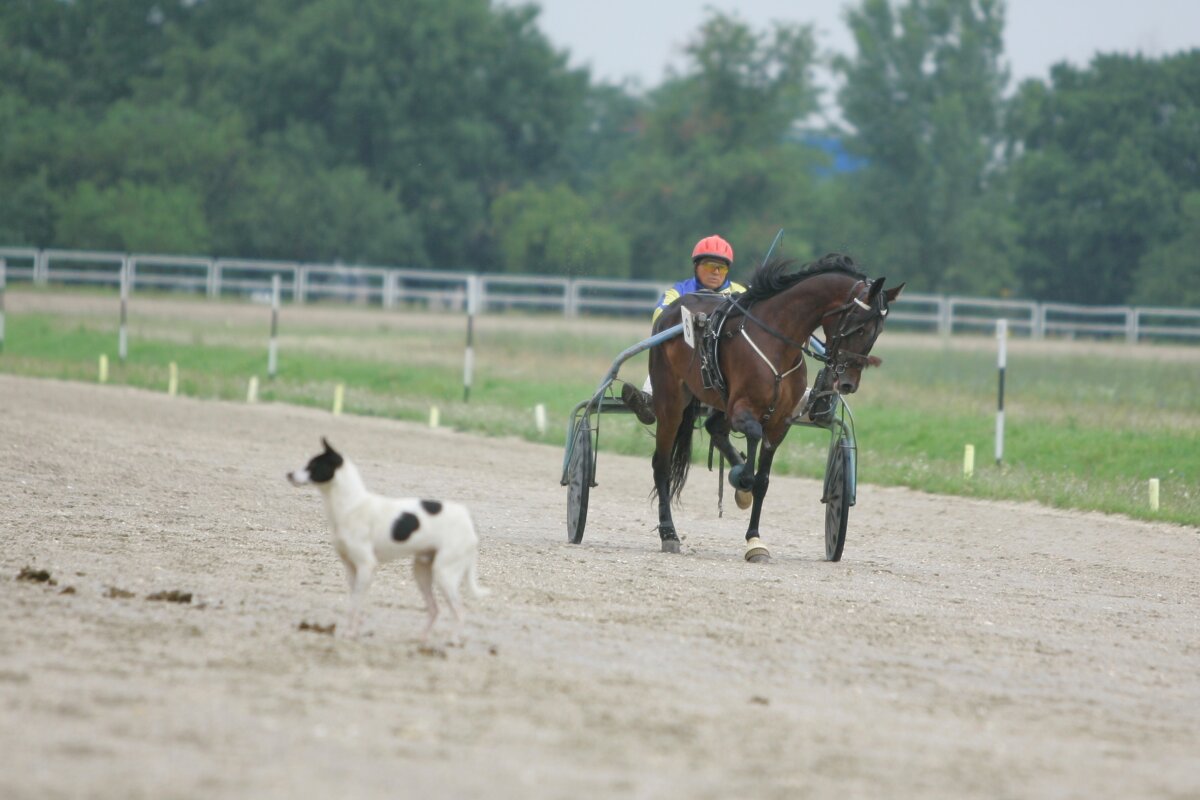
<point x="681" y="450"/>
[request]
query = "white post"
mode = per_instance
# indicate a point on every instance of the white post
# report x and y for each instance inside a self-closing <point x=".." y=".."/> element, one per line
<point x="172" y="379"/>
<point x="539" y="417"/>
<point x="252" y="390"/>
<point x="122" y="335"/>
<point x="1154" y="494"/>
<point x="968" y="460"/>
<point x="273" y="345"/>
<point x="1001" y="363"/>
<point x="3" y="280"/>
<point x="339" y="397"/>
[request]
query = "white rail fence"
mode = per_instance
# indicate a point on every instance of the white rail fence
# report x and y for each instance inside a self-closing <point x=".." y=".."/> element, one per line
<point x="393" y="288"/>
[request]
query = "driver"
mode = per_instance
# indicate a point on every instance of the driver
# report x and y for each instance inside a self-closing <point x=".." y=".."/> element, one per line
<point x="712" y="258"/>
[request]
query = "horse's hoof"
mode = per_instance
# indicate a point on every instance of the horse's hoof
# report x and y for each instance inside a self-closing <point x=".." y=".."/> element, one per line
<point x="755" y="552"/>
<point x="670" y="545"/>
<point x="743" y="499"/>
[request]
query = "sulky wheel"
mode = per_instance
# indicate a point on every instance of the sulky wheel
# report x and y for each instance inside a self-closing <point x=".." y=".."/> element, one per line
<point x="837" y="499"/>
<point x="579" y="481"/>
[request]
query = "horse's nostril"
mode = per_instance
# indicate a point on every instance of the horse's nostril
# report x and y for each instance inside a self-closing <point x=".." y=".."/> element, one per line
<point x="846" y="387"/>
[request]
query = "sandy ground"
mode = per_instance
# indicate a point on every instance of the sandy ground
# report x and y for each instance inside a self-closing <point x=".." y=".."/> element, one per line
<point x="960" y="649"/>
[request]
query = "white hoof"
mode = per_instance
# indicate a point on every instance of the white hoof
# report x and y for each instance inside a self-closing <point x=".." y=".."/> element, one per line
<point x="755" y="552"/>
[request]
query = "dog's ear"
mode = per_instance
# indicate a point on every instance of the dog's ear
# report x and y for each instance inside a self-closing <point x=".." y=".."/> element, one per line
<point x="330" y="456"/>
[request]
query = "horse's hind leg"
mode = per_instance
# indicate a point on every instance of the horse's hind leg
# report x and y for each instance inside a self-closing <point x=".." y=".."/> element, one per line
<point x="666" y="525"/>
<point x="718" y="429"/>
<point x="717" y="426"/>
<point x="671" y="419"/>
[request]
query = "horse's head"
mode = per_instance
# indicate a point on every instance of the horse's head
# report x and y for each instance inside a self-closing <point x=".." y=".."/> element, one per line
<point x="851" y="330"/>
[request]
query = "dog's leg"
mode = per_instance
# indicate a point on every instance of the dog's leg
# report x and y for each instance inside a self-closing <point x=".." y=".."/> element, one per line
<point x="448" y="573"/>
<point x="423" y="572"/>
<point x="358" y="594"/>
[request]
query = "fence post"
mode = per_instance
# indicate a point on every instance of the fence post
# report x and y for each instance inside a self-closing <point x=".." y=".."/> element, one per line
<point x="945" y="320"/>
<point x="300" y="285"/>
<point x="571" y="306"/>
<point x="1131" y="325"/>
<point x="389" y="289"/>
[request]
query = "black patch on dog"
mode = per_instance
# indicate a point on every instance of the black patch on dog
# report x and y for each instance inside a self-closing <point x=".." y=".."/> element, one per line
<point x="404" y="526"/>
<point x="321" y="468"/>
<point x="431" y="506"/>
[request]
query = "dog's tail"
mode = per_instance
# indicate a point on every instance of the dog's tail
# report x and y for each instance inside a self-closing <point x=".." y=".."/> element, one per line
<point x="473" y="578"/>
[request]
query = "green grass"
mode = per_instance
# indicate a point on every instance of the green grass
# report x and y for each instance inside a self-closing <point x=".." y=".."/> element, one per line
<point x="1087" y="425"/>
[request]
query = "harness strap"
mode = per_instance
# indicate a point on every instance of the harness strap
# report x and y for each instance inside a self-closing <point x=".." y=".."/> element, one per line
<point x="778" y="376"/>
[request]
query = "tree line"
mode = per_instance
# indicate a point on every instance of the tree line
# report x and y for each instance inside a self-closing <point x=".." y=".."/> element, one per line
<point x="452" y="134"/>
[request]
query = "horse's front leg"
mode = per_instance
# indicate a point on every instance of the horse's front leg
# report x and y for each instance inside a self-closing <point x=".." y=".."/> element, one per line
<point x="755" y="551"/>
<point x="742" y="475"/>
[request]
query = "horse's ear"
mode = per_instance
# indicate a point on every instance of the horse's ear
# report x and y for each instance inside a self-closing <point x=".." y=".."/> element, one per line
<point x="876" y="285"/>
<point x="892" y="294"/>
<point x="328" y="449"/>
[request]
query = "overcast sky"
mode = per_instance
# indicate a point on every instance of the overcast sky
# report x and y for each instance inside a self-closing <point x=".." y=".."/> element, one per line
<point x="639" y="39"/>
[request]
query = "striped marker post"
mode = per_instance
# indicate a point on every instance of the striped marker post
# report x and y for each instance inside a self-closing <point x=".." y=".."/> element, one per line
<point x="123" y="335"/>
<point x="273" y="345"/>
<point x="172" y="379"/>
<point x="1001" y="363"/>
<point x="3" y="280"/>
<point x="469" y="356"/>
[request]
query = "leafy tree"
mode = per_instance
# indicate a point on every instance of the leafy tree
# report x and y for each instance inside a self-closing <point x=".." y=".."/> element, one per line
<point x="1166" y="275"/>
<point x="922" y="98"/>
<point x="446" y="103"/>
<point x="132" y="217"/>
<point x="554" y="231"/>
<point x="716" y="152"/>
<point x="1105" y="156"/>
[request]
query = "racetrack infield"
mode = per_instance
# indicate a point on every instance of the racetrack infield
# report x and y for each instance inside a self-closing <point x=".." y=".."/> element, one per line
<point x="960" y="649"/>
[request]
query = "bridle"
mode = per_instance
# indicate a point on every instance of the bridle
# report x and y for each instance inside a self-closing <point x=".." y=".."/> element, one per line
<point x="835" y="356"/>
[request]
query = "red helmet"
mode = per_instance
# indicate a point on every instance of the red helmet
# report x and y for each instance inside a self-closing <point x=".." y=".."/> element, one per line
<point x="712" y="247"/>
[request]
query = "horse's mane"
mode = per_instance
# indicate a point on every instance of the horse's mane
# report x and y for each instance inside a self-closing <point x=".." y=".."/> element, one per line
<point x="772" y="278"/>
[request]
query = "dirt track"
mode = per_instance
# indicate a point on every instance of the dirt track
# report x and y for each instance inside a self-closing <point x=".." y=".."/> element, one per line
<point x="960" y="649"/>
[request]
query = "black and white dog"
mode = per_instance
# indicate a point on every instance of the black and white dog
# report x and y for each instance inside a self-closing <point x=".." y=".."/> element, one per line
<point x="369" y="529"/>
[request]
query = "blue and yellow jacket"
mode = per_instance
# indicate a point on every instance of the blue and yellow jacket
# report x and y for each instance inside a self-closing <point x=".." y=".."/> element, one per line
<point x="687" y="287"/>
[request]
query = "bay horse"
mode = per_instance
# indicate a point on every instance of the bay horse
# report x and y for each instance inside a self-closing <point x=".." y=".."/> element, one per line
<point x="758" y="339"/>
